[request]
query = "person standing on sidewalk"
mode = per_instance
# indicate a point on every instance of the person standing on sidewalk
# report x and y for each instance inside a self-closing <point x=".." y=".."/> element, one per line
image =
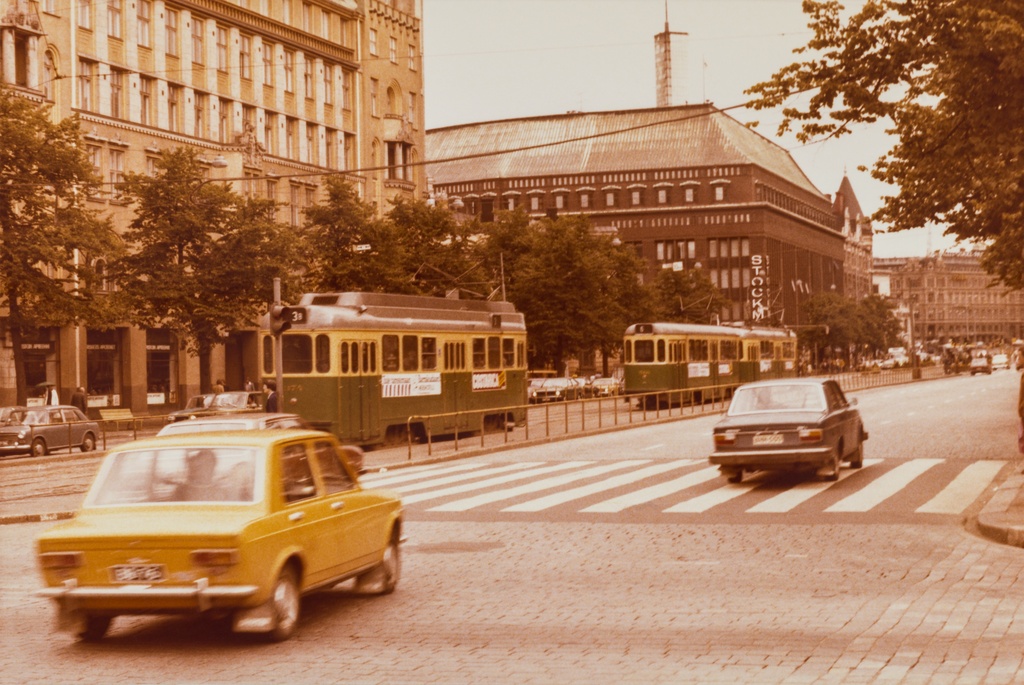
<point x="80" y="399"/>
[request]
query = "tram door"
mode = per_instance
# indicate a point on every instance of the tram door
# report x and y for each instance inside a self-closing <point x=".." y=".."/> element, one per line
<point x="359" y="393"/>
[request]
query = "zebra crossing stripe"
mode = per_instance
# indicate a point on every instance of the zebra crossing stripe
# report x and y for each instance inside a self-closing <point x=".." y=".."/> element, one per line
<point x="544" y="484"/>
<point x="653" y="492"/>
<point x="798" y="494"/>
<point x="564" y="496"/>
<point x="386" y="479"/>
<point x="964" y="489"/>
<point x="884" y="487"/>
<point x="704" y="502"/>
<point x="433" y="483"/>
<point x="497" y="480"/>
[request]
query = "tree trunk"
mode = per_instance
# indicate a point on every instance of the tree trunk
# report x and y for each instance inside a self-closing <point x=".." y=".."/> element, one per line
<point x="204" y="366"/>
<point x="13" y="325"/>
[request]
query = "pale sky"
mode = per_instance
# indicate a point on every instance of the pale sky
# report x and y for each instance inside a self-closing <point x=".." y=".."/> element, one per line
<point x="499" y="59"/>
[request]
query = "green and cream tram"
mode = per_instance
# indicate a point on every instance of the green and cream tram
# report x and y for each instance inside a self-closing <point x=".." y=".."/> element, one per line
<point x="369" y="366"/>
<point x="695" y="362"/>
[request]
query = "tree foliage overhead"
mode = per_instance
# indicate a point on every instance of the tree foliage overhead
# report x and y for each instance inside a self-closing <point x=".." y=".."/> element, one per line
<point x="947" y="76"/>
<point x="49" y="240"/>
<point x="202" y="258"/>
<point x="686" y="296"/>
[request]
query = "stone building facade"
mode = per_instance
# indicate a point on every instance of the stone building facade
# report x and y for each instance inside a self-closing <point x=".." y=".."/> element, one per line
<point x="274" y="94"/>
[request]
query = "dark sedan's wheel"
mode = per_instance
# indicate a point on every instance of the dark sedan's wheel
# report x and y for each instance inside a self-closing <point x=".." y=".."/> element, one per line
<point x="857" y="460"/>
<point x="833" y="473"/>
<point x="88" y="442"/>
<point x="39" y="448"/>
<point x="734" y="476"/>
<point x="95" y="627"/>
<point x="284" y="602"/>
<point x="383" y="579"/>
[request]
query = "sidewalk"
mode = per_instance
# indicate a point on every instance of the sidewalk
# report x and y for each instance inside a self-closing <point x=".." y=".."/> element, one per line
<point x="1002" y="519"/>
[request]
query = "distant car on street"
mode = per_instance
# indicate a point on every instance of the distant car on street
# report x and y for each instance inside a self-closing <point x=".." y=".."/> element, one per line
<point x="216" y="404"/>
<point x="789" y="424"/>
<point x="981" y="362"/>
<point x="604" y="387"/>
<point x="235" y="524"/>
<point x="1000" y="361"/>
<point x="557" y="389"/>
<point x="40" y="430"/>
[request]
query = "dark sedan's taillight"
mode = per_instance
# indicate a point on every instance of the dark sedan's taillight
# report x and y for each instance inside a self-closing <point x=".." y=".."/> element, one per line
<point x="810" y="435"/>
<point x="726" y="438"/>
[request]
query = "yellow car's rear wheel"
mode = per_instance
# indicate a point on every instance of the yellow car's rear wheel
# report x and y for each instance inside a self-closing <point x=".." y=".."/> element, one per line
<point x="285" y="602"/>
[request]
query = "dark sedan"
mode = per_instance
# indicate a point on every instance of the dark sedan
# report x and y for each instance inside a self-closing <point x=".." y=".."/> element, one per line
<point x="789" y="424"/>
<point x="40" y="430"/>
<point x="210" y="404"/>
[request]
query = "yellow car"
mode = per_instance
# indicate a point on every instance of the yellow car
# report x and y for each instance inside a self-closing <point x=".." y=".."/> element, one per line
<point x="237" y="523"/>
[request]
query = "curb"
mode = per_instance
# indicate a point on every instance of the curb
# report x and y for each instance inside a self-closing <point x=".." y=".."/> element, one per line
<point x="993" y="521"/>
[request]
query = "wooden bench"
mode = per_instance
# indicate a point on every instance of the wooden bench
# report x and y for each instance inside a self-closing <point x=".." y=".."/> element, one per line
<point x="116" y="416"/>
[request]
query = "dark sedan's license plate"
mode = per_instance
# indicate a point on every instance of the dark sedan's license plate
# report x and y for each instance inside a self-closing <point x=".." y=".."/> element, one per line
<point x="137" y="573"/>
<point x="769" y="439"/>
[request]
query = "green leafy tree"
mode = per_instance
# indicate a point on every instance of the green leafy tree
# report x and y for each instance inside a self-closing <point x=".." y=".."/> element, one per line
<point x="879" y="327"/>
<point x="686" y="296"/>
<point x="577" y="290"/>
<point x="946" y="75"/>
<point x="49" y="239"/>
<point x="347" y="248"/>
<point x="202" y="258"/>
<point x="502" y="244"/>
<point x="439" y="250"/>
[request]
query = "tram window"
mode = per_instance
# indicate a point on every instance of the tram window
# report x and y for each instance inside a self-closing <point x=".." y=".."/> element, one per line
<point x="460" y="350"/>
<point x="508" y="352"/>
<point x="323" y="354"/>
<point x="370" y="357"/>
<point x="479" y="353"/>
<point x="447" y="356"/>
<point x="730" y="350"/>
<point x="389" y="348"/>
<point x="493" y="352"/>
<point x="520" y="355"/>
<point x="699" y="351"/>
<point x="661" y="350"/>
<point x="767" y="350"/>
<point x="788" y="350"/>
<point x="344" y="357"/>
<point x="644" y="350"/>
<point x="296" y="353"/>
<point x="410" y="353"/>
<point x="268" y="355"/>
<point x="429" y="349"/>
<point x="628" y="351"/>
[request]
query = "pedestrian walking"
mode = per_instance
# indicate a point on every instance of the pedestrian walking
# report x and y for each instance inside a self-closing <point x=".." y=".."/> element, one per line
<point x="218" y="387"/>
<point x="270" y="387"/>
<point x="80" y="399"/>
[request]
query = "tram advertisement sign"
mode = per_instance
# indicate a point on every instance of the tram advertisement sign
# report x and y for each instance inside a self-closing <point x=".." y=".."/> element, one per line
<point x="494" y="380"/>
<point x="410" y="384"/>
<point x="699" y="369"/>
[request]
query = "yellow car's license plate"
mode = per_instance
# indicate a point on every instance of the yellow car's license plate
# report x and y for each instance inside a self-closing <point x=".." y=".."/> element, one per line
<point x="768" y="439"/>
<point x="137" y="573"/>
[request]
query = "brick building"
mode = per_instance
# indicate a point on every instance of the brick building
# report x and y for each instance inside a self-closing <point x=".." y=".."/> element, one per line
<point x="689" y="187"/>
<point x="272" y="92"/>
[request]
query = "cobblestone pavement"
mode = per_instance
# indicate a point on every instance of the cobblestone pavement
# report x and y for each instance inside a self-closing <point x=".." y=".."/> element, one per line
<point x="565" y="603"/>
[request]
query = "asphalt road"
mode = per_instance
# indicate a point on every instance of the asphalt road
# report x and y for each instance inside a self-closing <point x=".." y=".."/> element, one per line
<point x="560" y="595"/>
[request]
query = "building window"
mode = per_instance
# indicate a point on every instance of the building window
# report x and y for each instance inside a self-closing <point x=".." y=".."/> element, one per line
<point x="268" y="64"/>
<point x="117" y="94"/>
<point x="272" y="189"/>
<point x="289" y="138"/>
<point x="172" y="32"/>
<point x="412" y="108"/>
<point x="662" y="196"/>
<point x="85" y="74"/>
<point x="224" y="121"/>
<point x="398" y="161"/>
<point x="559" y="201"/>
<point x="289" y="71"/>
<point x="85" y="14"/>
<point x="268" y="133"/>
<point x="145" y="100"/>
<point x="374" y="88"/>
<point x="325" y="23"/>
<point x="142" y="21"/>
<point x="393" y="50"/>
<point x="114" y="18"/>
<point x="534" y="203"/>
<point x="328" y="84"/>
<point x="346" y="88"/>
<point x="636" y="196"/>
<point x="200" y="115"/>
<point x="311" y="146"/>
<point x="412" y="57"/>
<point x="95" y="156"/>
<point x="584" y="200"/>
<point x="50" y="6"/>
<point x="307" y="77"/>
<point x="173" y="112"/>
<point x="286" y="11"/>
<point x="295" y="210"/>
<point x="198" y="46"/>
<point x="245" y="56"/>
<point x="222" y="48"/>
<point x="689" y="194"/>
<point x="373" y="42"/>
<point x="49" y="75"/>
<point x="609" y="199"/>
<point x="719" y="193"/>
<point x="307" y="17"/>
<point x="116" y="172"/>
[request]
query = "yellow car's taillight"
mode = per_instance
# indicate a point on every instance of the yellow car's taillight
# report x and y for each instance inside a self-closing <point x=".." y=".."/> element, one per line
<point x="214" y="558"/>
<point x="810" y="435"/>
<point x="55" y="561"/>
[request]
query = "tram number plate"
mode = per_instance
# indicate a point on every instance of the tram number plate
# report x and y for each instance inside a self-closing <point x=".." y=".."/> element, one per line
<point x="768" y="439"/>
<point x="137" y="573"/>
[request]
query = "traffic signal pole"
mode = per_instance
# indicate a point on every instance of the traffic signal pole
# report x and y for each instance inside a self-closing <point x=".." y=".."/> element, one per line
<point x="278" y="352"/>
